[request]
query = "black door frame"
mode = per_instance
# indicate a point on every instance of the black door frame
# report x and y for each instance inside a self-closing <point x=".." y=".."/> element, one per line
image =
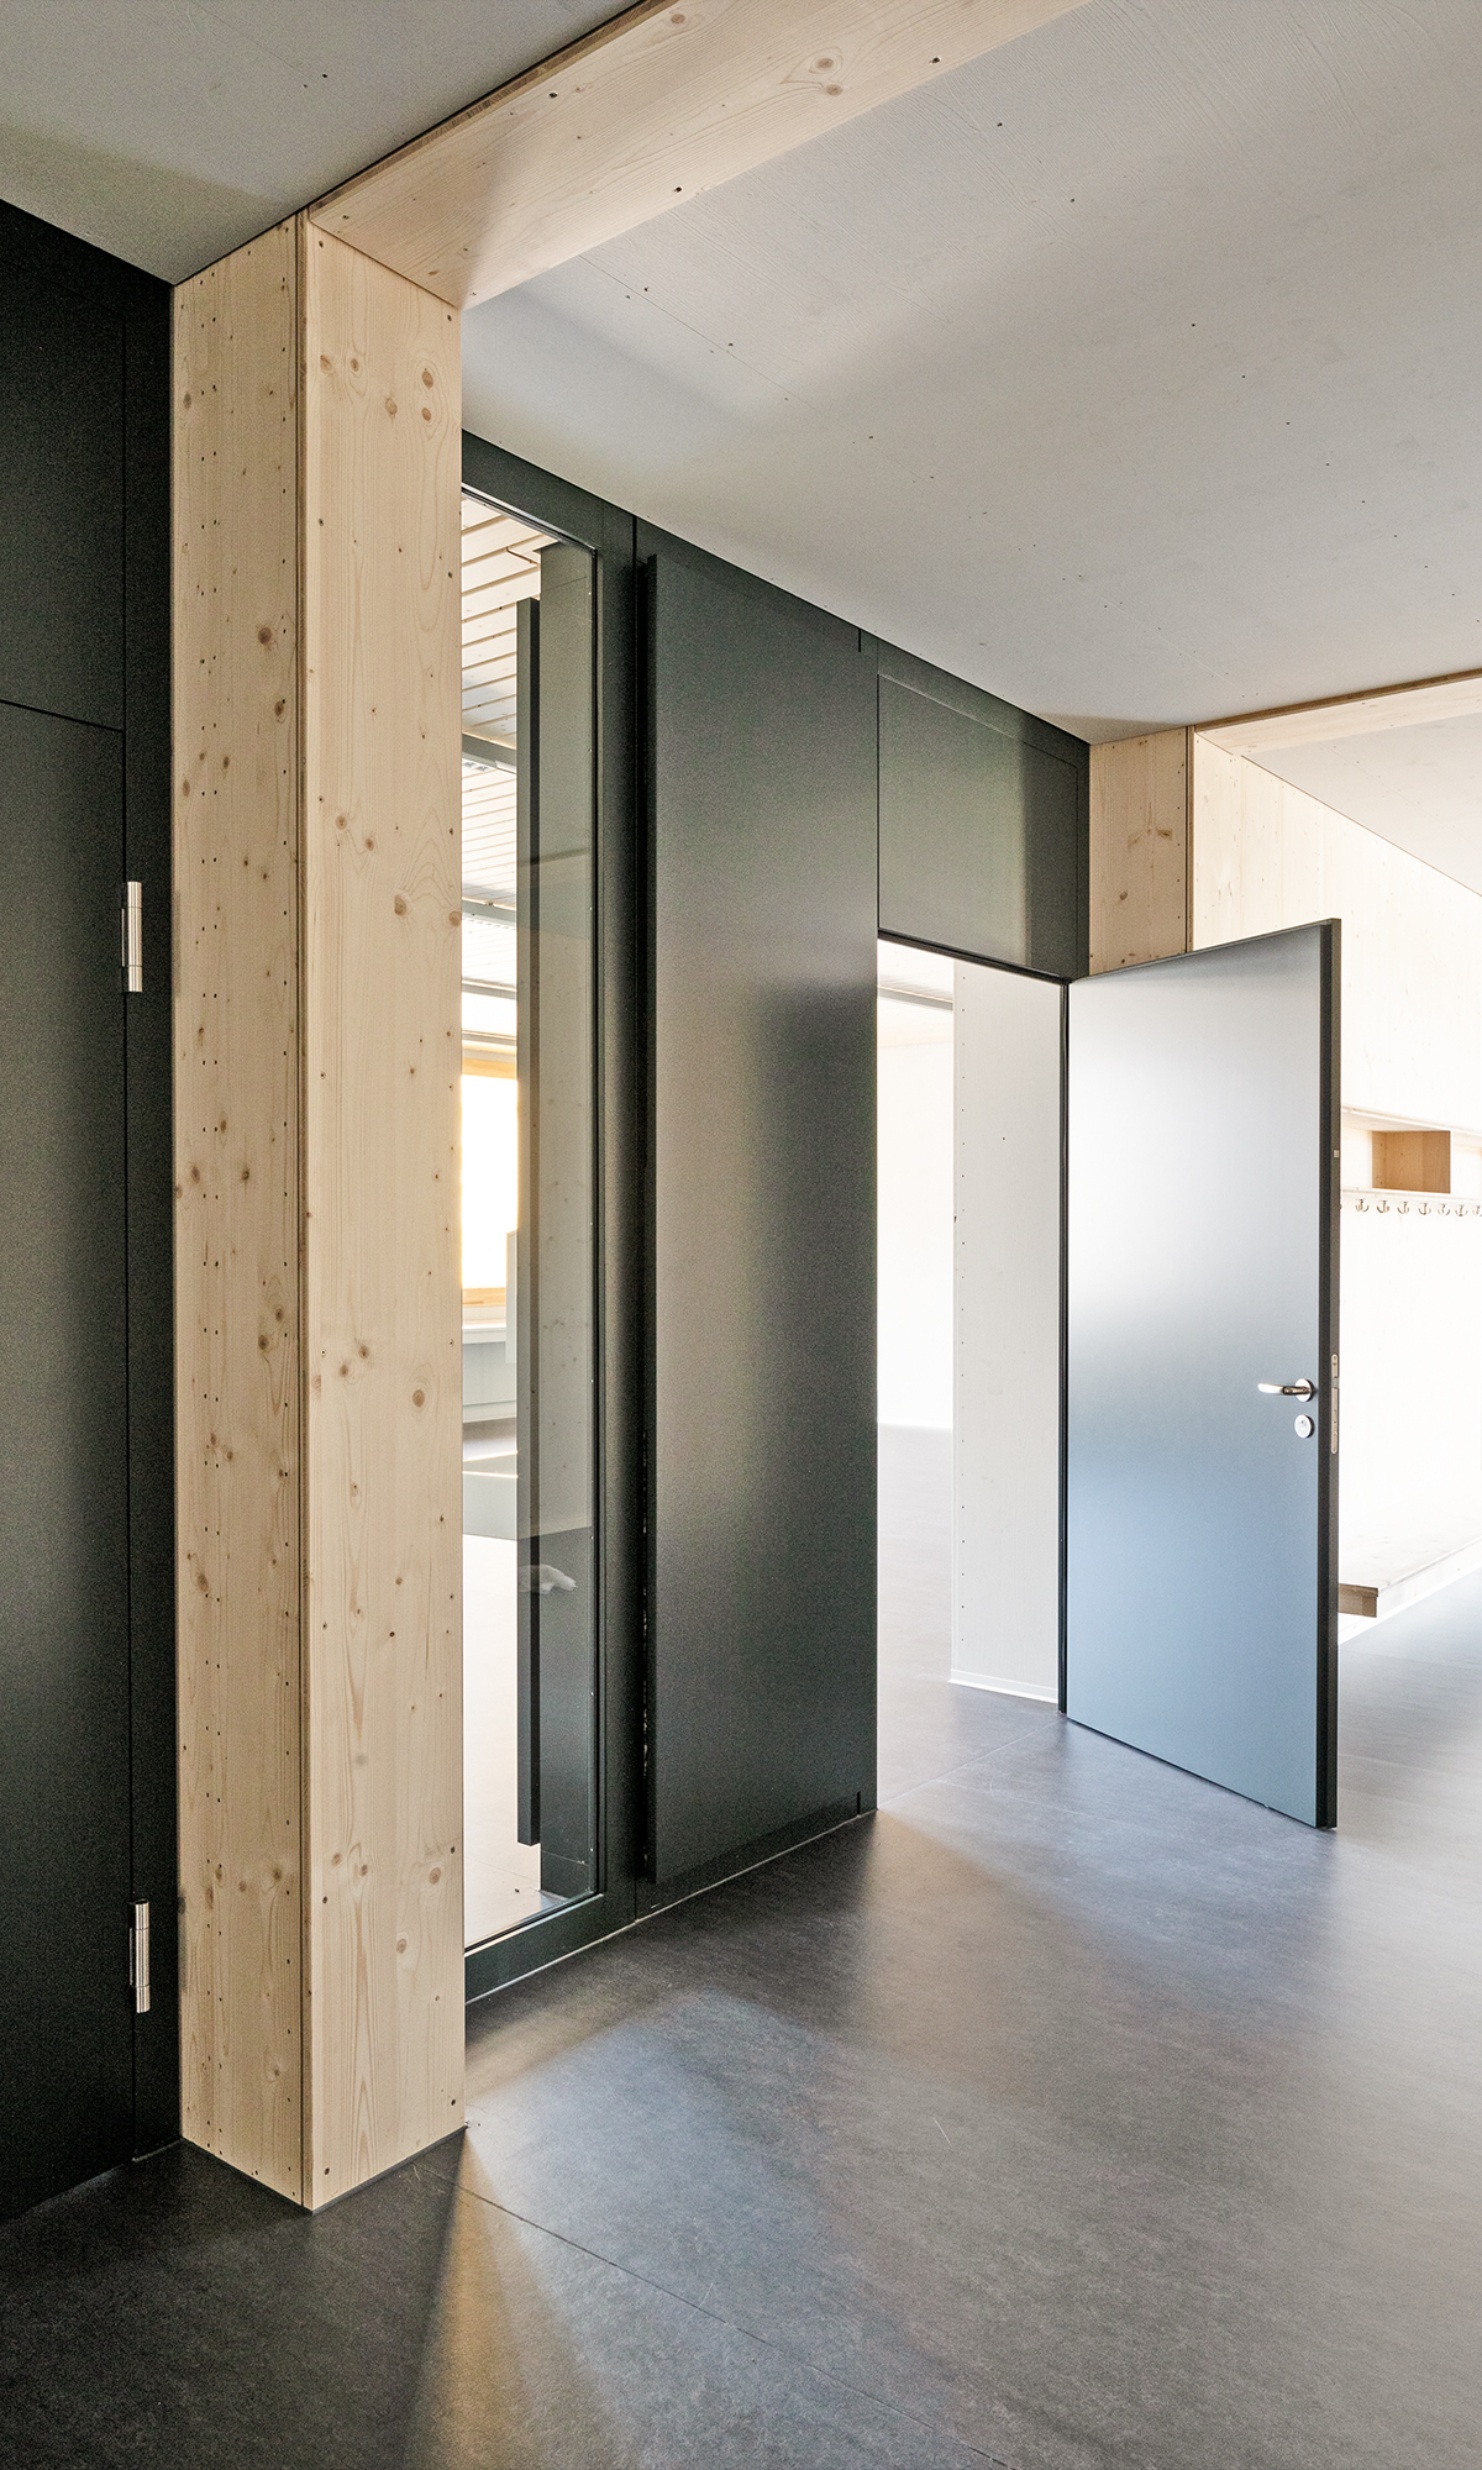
<point x="558" y="506"/>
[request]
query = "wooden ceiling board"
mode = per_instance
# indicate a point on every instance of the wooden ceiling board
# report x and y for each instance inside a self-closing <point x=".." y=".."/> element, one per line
<point x="1351" y="716"/>
<point x="654" y="109"/>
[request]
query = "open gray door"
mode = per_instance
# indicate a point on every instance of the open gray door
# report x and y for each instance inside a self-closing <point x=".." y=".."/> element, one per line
<point x="1201" y="1437"/>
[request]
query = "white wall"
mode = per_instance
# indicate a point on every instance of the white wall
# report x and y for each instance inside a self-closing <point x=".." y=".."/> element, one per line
<point x="1267" y="855"/>
<point x="915" y="1222"/>
<point x="1411" y="1422"/>
<point x="1006" y="1450"/>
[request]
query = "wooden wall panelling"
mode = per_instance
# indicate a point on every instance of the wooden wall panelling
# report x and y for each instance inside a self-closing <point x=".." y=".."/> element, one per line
<point x="1139" y="849"/>
<point x="656" y="107"/>
<point x="317" y="941"/>
<point x="382" y="1049"/>
<point x="237" y="1229"/>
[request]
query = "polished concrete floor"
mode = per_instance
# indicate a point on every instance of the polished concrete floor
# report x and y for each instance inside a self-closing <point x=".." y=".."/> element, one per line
<point x="1070" y="2113"/>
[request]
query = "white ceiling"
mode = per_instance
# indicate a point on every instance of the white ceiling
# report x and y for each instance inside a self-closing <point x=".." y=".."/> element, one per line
<point x="170" y="131"/>
<point x="1419" y="787"/>
<point x="1133" y="372"/>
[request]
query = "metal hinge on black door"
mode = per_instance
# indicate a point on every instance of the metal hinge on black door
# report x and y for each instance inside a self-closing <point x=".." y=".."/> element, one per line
<point x="139" y="1958"/>
<point x="132" y="920"/>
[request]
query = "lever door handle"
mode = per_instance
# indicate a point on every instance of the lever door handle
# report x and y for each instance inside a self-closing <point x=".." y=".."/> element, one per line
<point x="1287" y="1389"/>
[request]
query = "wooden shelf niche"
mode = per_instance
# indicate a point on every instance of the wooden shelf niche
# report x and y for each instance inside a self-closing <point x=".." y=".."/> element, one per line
<point x="1412" y="1160"/>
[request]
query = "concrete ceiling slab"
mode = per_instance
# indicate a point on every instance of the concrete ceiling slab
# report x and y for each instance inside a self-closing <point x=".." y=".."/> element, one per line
<point x="170" y="132"/>
<point x="1131" y="372"/>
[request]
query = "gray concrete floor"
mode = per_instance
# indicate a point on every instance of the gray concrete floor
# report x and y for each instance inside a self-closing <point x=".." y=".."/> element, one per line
<point x="1068" y="2113"/>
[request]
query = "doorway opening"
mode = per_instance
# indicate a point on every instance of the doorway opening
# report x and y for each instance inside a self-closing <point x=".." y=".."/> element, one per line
<point x="528" y="1198"/>
<point x="970" y="1071"/>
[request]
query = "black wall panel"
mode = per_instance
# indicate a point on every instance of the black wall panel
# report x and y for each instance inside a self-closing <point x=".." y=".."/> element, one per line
<point x="61" y="500"/>
<point x="66" y="2028"/>
<point x="982" y="824"/>
<point x="85" y="638"/>
<point x="761" y="1424"/>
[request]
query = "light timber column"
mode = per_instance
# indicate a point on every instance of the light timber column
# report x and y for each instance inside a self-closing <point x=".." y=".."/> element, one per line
<point x="317" y="1059"/>
<point x="1139" y="849"/>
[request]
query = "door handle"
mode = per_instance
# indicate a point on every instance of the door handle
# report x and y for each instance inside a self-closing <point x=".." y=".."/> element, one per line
<point x="1287" y="1389"/>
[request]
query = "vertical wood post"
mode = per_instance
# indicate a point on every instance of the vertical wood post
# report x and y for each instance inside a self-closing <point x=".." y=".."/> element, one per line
<point x="1139" y="849"/>
<point x="318" y="1340"/>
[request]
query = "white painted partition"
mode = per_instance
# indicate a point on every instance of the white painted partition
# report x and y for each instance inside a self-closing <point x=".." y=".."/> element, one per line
<point x="1006" y="1371"/>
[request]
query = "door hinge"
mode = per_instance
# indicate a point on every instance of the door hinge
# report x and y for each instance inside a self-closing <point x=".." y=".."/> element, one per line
<point x="139" y="1958"/>
<point x="133" y="938"/>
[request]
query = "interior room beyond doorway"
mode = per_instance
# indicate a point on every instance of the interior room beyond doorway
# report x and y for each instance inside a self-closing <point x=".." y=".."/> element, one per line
<point x="1331" y="814"/>
<point x="969" y="1338"/>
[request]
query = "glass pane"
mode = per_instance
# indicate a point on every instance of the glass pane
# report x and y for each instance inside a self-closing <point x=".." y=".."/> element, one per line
<point x="529" y="1633"/>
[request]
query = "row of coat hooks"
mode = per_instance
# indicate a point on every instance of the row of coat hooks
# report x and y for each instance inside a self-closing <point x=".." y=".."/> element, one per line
<point x="1423" y="1205"/>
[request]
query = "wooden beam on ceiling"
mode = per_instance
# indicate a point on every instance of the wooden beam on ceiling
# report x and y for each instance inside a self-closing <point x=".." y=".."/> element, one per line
<point x="1458" y="697"/>
<point x="653" y="109"/>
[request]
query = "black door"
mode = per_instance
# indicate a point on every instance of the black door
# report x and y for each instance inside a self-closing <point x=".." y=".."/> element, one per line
<point x="1201" y="1443"/>
<point x="65" y="2016"/>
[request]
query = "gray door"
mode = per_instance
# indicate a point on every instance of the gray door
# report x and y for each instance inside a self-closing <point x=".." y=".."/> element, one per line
<point x="1201" y="1508"/>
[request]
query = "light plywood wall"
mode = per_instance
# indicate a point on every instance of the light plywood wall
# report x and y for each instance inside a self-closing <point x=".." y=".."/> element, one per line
<point x="238" y="1336"/>
<point x="317" y="937"/>
<point x="1139" y="849"/>
<point x="383" y="1334"/>
<point x="1266" y="855"/>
